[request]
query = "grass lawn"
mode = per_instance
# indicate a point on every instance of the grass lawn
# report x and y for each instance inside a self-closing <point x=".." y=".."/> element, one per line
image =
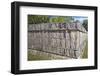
<point x="36" y="57"/>
<point x="85" y="52"/>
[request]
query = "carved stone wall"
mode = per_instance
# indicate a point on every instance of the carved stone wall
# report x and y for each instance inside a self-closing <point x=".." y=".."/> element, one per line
<point x="64" y="39"/>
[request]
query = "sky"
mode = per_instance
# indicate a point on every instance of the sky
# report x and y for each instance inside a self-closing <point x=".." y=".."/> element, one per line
<point x="80" y="18"/>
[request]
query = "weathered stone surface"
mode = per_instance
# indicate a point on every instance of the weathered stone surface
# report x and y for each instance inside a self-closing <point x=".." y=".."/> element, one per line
<point x="65" y="39"/>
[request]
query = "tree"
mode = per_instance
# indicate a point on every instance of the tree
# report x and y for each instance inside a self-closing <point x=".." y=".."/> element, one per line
<point x="77" y="21"/>
<point x="85" y="24"/>
<point x="36" y="19"/>
<point x="60" y="19"/>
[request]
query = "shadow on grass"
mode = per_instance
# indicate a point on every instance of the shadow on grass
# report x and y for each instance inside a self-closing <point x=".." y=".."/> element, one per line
<point x="85" y="51"/>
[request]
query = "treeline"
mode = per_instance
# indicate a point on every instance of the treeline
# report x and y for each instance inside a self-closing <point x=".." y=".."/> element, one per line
<point x="36" y="19"/>
<point x="85" y="24"/>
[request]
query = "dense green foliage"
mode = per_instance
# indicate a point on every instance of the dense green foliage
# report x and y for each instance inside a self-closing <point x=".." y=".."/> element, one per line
<point x="35" y="19"/>
<point x="61" y="19"/>
<point x="85" y="24"/>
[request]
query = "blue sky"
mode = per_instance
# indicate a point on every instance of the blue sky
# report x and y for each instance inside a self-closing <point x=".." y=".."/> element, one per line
<point x="80" y="18"/>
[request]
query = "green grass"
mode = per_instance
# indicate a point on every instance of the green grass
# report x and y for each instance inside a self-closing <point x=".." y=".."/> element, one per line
<point x="36" y="57"/>
<point x="85" y="51"/>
